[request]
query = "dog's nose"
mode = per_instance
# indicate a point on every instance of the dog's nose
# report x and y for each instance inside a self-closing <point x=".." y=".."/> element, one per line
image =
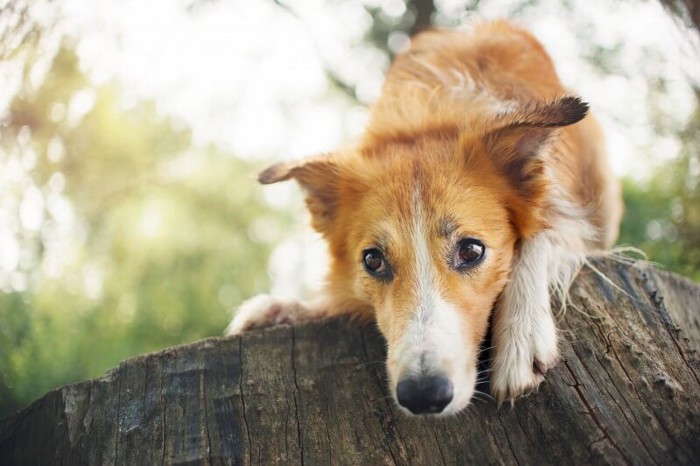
<point x="424" y="395"/>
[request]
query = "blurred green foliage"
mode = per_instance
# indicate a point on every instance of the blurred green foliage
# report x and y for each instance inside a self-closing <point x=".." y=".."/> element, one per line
<point x="142" y="240"/>
<point x="662" y="216"/>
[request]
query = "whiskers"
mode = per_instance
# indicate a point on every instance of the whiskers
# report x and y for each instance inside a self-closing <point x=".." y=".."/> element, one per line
<point x="478" y="395"/>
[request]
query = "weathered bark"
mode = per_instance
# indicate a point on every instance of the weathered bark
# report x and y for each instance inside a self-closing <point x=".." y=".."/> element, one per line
<point x="626" y="391"/>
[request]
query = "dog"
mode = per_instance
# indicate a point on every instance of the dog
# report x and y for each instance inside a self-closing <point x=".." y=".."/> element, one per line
<point x="476" y="191"/>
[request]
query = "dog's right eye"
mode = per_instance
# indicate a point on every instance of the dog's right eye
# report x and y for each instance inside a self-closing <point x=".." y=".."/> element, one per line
<point x="470" y="252"/>
<point x="374" y="263"/>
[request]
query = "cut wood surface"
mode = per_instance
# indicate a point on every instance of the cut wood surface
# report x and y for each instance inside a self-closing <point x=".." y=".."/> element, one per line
<point x="627" y="390"/>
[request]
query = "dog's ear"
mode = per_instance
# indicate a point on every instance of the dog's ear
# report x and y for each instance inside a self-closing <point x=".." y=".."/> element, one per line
<point x="516" y="143"/>
<point x="318" y="176"/>
<point x="517" y="138"/>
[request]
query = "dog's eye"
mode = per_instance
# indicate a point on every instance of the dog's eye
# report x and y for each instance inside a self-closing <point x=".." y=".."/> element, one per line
<point x="374" y="262"/>
<point x="469" y="253"/>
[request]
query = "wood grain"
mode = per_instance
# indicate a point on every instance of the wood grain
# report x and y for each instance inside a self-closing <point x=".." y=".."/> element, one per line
<point x="626" y="391"/>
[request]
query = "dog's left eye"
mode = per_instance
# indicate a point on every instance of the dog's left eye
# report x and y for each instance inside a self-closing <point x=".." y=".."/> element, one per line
<point x="469" y="253"/>
<point x="374" y="262"/>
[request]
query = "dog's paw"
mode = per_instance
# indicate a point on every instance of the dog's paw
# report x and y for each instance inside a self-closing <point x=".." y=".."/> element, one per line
<point x="522" y="359"/>
<point x="263" y="311"/>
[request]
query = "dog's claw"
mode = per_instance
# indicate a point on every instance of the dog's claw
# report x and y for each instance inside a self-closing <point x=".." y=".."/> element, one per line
<point x="516" y="379"/>
<point x="538" y="367"/>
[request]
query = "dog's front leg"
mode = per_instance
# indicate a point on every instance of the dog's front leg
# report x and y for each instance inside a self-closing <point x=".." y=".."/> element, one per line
<point x="264" y="310"/>
<point x="524" y="332"/>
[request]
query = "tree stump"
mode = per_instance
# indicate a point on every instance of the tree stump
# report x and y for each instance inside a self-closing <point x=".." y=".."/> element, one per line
<point x="626" y="391"/>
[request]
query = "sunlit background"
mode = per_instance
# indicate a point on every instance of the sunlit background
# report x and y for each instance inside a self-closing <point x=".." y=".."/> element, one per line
<point x="131" y="132"/>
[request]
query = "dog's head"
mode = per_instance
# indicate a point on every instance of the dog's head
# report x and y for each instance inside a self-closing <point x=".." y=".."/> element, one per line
<point x="423" y="226"/>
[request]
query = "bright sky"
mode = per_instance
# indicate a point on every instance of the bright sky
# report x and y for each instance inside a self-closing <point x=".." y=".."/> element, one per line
<point x="249" y="75"/>
<point x="245" y="75"/>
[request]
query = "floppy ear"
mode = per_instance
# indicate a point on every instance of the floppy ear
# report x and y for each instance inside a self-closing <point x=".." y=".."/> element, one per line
<point x="318" y="176"/>
<point x="516" y="145"/>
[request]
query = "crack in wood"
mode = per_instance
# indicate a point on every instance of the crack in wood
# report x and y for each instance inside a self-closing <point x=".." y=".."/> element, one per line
<point x="328" y="434"/>
<point x="162" y="399"/>
<point x="510" y="445"/>
<point x="297" y="392"/>
<point x="594" y="417"/>
<point x="625" y="412"/>
<point x="660" y="308"/>
<point x="119" y="420"/>
<point x="610" y="348"/>
<point x="243" y="407"/>
<point x="489" y="425"/>
<point x="286" y="426"/>
<point x="205" y="423"/>
<point x="642" y="401"/>
<point x="391" y="422"/>
<point x="437" y="442"/>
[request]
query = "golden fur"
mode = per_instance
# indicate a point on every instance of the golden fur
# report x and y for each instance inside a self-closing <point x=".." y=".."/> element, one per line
<point x="473" y="136"/>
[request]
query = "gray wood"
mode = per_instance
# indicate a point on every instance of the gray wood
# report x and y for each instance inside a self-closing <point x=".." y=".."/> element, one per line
<point x="626" y="391"/>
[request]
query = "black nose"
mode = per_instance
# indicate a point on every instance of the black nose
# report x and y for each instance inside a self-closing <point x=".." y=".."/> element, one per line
<point x="423" y="395"/>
